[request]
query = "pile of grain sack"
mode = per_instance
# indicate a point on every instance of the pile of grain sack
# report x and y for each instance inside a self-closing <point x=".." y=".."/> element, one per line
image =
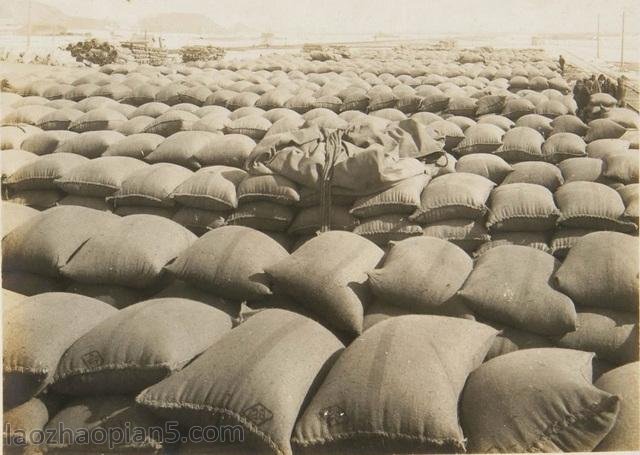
<point x="482" y="258"/>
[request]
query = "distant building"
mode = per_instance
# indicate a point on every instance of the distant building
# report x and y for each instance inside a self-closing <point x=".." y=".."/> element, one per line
<point x="537" y="41"/>
<point x="42" y="28"/>
<point x="383" y="36"/>
<point x="100" y="34"/>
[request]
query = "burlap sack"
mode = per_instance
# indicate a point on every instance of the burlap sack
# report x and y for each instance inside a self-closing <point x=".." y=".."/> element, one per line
<point x="132" y="253"/>
<point x="523" y="207"/>
<point x="511" y="284"/>
<point x="371" y="399"/>
<point x="90" y="144"/>
<point x="454" y="196"/>
<point x="612" y="335"/>
<point x="230" y="261"/>
<point x="41" y="173"/>
<point x="181" y="147"/>
<point x="537" y="173"/>
<point x="210" y="188"/>
<point x="99" y="177"/>
<point x="45" y="243"/>
<point x="623" y="382"/>
<point x="36" y="334"/>
<point x="233" y="381"/>
<point x="536" y="400"/>
<point x="103" y="416"/>
<point x="135" y="145"/>
<point x="421" y="273"/>
<point x="139" y="346"/>
<point x="14" y="215"/>
<point x="487" y="165"/>
<point x="601" y="270"/>
<point x="590" y="205"/>
<point x="151" y="186"/>
<point x="327" y="274"/>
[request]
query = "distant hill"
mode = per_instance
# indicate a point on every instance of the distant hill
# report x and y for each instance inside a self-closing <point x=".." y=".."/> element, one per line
<point x="180" y="23"/>
<point x="43" y="15"/>
<point x="49" y="19"/>
<point x="17" y="13"/>
<point x="190" y="23"/>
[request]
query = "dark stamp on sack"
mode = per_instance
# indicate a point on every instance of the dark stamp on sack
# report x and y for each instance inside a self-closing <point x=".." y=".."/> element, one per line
<point x="92" y="359"/>
<point x="258" y="414"/>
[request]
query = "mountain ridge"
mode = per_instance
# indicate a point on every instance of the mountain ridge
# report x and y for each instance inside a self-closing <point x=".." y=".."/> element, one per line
<point x="43" y="14"/>
<point x="188" y="23"/>
<point x="47" y="17"/>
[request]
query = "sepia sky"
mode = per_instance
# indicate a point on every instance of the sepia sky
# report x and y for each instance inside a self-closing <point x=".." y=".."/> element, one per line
<point x="371" y="16"/>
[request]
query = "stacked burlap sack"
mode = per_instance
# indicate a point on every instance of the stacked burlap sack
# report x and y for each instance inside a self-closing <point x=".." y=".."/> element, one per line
<point x="179" y="202"/>
<point x="520" y="303"/>
<point x="527" y="160"/>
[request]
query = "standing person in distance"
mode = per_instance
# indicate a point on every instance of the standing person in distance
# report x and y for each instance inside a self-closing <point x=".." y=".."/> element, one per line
<point x="622" y="91"/>
<point x="581" y="95"/>
<point x="612" y="88"/>
<point x="595" y="85"/>
<point x="603" y="82"/>
<point x="588" y="84"/>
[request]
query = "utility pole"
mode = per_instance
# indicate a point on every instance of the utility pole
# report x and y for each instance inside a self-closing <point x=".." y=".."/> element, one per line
<point x="29" y="24"/>
<point x="622" y="44"/>
<point x="598" y="38"/>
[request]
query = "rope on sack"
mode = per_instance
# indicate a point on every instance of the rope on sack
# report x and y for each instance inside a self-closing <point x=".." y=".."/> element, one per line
<point x="441" y="139"/>
<point x="333" y="151"/>
<point x="446" y="161"/>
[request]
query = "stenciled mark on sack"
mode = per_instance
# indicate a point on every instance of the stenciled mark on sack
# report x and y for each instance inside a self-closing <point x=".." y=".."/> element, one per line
<point x="92" y="359"/>
<point x="333" y="415"/>
<point x="258" y="414"/>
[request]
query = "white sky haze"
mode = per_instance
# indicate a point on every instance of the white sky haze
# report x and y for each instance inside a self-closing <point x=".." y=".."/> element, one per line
<point x="371" y="16"/>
